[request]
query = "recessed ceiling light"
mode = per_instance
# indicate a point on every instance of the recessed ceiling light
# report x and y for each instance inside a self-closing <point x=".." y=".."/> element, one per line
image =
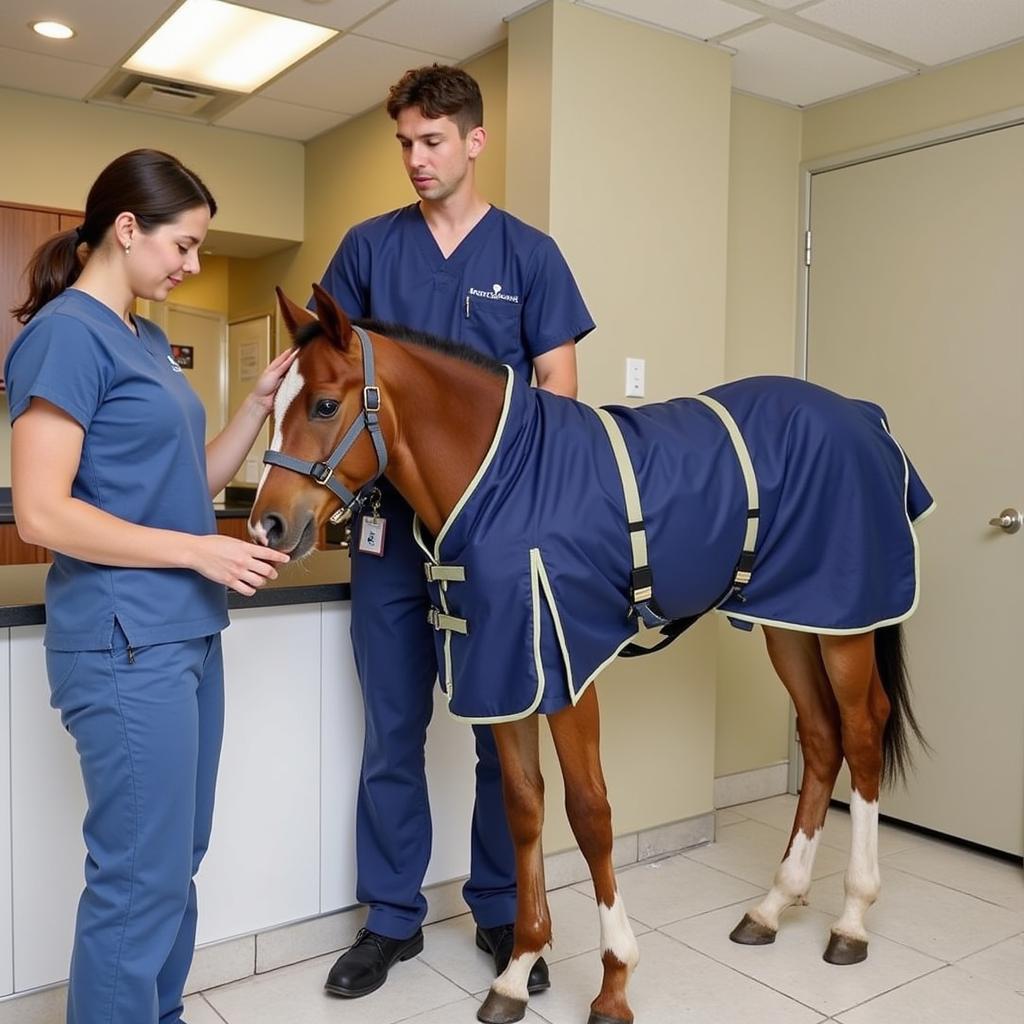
<point x="53" y="29"/>
<point x="210" y="42"/>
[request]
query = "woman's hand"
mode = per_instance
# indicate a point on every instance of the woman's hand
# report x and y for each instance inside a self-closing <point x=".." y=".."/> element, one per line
<point x="265" y="391"/>
<point x="239" y="565"/>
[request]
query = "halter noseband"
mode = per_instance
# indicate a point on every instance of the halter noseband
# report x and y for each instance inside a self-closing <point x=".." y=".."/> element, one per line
<point x="368" y="420"/>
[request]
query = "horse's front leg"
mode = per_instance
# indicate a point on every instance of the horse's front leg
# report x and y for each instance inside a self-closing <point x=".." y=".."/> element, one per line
<point x="577" y="735"/>
<point x="523" y="788"/>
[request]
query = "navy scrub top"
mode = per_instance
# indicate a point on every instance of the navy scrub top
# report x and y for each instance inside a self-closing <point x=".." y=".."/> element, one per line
<point x="143" y="460"/>
<point x="506" y="291"/>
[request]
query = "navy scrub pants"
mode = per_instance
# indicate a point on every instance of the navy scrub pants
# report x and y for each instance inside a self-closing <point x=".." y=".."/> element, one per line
<point x="148" y="733"/>
<point x="397" y="666"/>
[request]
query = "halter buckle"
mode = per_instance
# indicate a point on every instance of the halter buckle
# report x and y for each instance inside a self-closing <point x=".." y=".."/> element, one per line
<point x="371" y="398"/>
<point x="321" y="473"/>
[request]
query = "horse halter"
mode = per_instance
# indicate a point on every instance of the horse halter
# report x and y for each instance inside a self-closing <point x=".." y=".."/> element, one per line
<point x="368" y="420"/>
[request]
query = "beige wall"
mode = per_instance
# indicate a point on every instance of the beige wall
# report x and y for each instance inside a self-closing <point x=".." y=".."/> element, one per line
<point x="256" y="180"/>
<point x="752" y="721"/>
<point x="629" y="172"/>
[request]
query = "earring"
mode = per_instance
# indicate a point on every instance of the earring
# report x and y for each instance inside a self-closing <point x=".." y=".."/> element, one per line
<point x="128" y="248"/>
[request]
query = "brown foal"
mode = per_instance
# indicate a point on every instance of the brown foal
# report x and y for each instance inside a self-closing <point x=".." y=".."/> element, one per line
<point x="435" y="445"/>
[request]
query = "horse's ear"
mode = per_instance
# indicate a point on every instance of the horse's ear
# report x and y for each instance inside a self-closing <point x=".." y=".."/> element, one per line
<point x="336" y="325"/>
<point x="295" y="317"/>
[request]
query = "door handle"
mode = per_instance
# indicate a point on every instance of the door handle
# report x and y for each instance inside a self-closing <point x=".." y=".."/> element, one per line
<point x="1009" y="520"/>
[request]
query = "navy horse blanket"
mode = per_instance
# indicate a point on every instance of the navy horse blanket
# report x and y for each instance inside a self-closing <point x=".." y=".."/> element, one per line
<point x="530" y="577"/>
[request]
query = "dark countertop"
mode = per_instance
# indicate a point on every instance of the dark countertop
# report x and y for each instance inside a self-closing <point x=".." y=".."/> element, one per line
<point x="321" y="577"/>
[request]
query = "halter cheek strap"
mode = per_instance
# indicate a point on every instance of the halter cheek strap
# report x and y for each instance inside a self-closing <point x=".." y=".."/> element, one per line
<point x="368" y="420"/>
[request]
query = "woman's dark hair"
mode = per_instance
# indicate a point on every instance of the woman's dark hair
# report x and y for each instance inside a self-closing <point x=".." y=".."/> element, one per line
<point x="439" y="91"/>
<point x="154" y="186"/>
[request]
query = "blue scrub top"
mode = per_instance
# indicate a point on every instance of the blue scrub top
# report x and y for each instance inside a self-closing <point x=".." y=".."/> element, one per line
<point x="143" y="460"/>
<point x="506" y="291"/>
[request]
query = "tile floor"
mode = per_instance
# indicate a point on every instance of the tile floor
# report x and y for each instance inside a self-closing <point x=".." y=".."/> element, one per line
<point x="947" y="945"/>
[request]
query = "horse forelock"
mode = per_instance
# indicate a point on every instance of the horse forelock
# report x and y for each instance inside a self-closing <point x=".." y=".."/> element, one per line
<point x="307" y="332"/>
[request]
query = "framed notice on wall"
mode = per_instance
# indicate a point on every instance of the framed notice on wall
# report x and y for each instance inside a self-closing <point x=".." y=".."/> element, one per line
<point x="248" y="354"/>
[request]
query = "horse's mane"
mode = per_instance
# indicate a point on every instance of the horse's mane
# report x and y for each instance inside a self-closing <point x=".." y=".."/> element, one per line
<point x="398" y="332"/>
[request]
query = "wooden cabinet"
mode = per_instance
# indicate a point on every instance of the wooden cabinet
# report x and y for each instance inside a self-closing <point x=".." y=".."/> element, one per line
<point x="22" y="230"/>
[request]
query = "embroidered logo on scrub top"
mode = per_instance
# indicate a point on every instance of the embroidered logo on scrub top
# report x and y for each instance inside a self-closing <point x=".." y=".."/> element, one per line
<point x="174" y="364"/>
<point x="494" y="293"/>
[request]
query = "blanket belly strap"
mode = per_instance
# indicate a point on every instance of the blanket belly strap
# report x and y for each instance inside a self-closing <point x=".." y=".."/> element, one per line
<point x="641" y="580"/>
<point x="745" y="565"/>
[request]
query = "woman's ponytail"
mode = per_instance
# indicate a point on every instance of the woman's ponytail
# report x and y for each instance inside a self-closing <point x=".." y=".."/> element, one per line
<point x="54" y="266"/>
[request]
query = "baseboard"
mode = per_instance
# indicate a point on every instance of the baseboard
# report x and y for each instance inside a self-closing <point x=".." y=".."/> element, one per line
<point x="758" y="784"/>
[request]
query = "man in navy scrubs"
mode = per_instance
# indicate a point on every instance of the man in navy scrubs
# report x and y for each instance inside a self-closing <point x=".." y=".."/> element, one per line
<point x="455" y="266"/>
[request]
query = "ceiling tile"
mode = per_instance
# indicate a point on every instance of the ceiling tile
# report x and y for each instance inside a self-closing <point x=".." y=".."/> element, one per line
<point x="285" y="120"/>
<point x="350" y="75"/>
<point x="799" y="69"/>
<point x="443" y="26"/>
<point x="701" y="19"/>
<point x="928" y="31"/>
<point x="20" y="69"/>
<point x="106" y="32"/>
<point x="342" y="14"/>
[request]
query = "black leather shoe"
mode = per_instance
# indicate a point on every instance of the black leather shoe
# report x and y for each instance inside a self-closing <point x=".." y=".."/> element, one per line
<point x="364" y="966"/>
<point x="498" y="941"/>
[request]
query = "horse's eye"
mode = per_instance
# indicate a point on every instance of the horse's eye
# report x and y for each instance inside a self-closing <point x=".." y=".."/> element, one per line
<point x="326" y="408"/>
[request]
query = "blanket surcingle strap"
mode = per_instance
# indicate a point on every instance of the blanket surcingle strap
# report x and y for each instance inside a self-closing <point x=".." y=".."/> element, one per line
<point x="643" y="603"/>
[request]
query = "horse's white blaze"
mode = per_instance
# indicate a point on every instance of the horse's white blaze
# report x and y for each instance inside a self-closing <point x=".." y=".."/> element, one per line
<point x="863" y="882"/>
<point x="792" y="880"/>
<point x="617" y="935"/>
<point x="290" y="387"/>
<point x="513" y="981"/>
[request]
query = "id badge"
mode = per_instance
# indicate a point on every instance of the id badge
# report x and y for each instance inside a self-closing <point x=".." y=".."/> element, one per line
<point x="371" y="535"/>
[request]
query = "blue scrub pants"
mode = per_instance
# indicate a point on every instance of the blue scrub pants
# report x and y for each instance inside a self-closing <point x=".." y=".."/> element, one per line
<point x="397" y="666"/>
<point x="148" y="734"/>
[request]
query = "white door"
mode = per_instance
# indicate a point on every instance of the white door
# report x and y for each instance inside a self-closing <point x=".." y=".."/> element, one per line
<point x="916" y="301"/>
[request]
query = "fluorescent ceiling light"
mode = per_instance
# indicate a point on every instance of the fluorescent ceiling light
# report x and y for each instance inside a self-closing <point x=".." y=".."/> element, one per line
<point x="53" y="29"/>
<point x="209" y="42"/>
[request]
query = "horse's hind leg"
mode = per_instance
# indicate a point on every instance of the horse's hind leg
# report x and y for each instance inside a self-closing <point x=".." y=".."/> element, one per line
<point x="523" y="789"/>
<point x="864" y="709"/>
<point x="797" y="659"/>
<point x="576" y="733"/>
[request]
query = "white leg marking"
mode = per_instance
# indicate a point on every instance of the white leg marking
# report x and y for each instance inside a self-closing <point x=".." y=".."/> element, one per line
<point x="792" y="880"/>
<point x="863" y="882"/>
<point x="512" y="982"/>
<point x="292" y="384"/>
<point x="617" y="935"/>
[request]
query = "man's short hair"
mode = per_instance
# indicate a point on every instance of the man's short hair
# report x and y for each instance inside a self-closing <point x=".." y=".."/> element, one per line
<point x="439" y="91"/>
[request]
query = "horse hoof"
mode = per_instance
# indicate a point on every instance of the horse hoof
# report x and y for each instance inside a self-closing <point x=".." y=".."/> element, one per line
<point x="600" y="1018"/>
<point x="843" y="950"/>
<point x="499" y="1009"/>
<point x="752" y="933"/>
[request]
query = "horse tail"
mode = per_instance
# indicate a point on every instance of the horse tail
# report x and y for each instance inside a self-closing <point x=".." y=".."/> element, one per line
<point x="890" y="658"/>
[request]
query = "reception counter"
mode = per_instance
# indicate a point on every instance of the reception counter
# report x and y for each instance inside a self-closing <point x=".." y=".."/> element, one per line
<point x="283" y="847"/>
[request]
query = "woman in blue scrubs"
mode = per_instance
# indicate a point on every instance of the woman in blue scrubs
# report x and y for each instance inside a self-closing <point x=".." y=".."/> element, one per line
<point x="136" y="597"/>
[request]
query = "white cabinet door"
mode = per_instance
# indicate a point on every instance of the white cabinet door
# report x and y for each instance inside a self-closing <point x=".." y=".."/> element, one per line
<point x="6" y="950"/>
<point x="47" y="808"/>
<point x="263" y="866"/>
<point x="342" y="745"/>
